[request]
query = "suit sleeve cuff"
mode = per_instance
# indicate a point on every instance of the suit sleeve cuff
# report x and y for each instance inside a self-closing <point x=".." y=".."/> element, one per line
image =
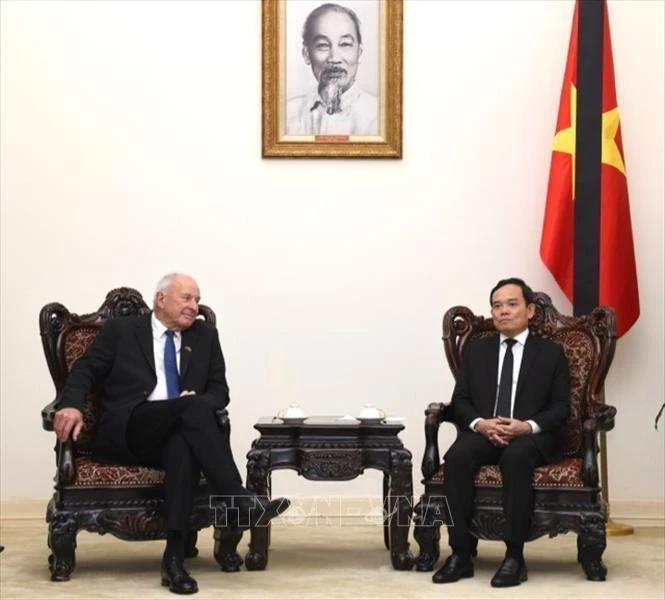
<point x="472" y="425"/>
<point x="534" y="426"/>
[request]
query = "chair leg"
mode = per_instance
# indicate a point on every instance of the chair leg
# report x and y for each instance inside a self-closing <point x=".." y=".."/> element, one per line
<point x="62" y="542"/>
<point x="427" y="523"/>
<point x="591" y="544"/>
<point x="226" y="542"/>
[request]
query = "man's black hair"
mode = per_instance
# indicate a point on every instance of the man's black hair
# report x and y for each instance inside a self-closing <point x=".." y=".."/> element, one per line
<point x="527" y="292"/>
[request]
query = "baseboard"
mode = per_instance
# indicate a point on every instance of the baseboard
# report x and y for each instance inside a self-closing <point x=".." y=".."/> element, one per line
<point x="638" y="513"/>
<point x="355" y="510"/>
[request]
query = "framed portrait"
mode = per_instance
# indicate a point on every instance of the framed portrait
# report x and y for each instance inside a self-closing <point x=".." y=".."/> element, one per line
<point x="332" y="78"/>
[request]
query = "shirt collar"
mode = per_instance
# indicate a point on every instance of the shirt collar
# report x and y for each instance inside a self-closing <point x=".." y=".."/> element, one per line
<point x="158" y="328"/>
<point x="520" y="338"/>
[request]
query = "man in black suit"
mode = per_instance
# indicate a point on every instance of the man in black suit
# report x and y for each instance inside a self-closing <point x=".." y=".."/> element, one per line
<point x="511" y="396"/>
<point x="163" y="377"/>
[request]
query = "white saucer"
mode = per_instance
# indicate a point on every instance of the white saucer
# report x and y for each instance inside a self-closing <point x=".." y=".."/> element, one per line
<point x="347" y="419"/>
<point x="371" y="420"/>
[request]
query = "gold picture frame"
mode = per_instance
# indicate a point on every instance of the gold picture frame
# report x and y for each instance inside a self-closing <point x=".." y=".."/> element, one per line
<point x="288" y="126"/>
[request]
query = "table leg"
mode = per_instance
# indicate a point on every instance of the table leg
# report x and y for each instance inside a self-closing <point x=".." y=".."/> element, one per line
<point x="387" y="510"/>
<point x="258" y="473"/>
<point x="400" y="499"/>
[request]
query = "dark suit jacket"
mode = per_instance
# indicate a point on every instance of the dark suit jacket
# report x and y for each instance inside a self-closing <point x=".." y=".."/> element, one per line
<point x="121" y="360"/>
<point x="542" y="394"/>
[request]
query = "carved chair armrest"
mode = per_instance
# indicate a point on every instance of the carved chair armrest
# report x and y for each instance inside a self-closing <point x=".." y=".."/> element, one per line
<point x="223" y="421"/>
<point x="48" y="414"/>
<point x="434" y="415"/>
<point x="604" y="417"/>
<point x="65" y="452"/>
<point x="601" y="420"/>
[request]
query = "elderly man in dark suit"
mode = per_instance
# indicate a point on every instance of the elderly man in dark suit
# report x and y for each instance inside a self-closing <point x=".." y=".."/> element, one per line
<point x="163" y="377"/>
<point x="511" y="397"/>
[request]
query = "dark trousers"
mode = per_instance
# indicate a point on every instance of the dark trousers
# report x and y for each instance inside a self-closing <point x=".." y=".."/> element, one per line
<point x="182" y="437"/>
<point x="517" y="462"/>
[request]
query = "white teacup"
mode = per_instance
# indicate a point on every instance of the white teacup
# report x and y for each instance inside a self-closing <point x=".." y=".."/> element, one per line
<point x="292" y="412"/>
<point x="369" y="411"/>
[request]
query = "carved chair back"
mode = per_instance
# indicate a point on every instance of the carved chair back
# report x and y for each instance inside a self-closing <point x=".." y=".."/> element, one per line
<point x="567" y="493"/>
<point x="588" y="344"/>
<point x="66" y="336"/>
<point x="123" y="500"/>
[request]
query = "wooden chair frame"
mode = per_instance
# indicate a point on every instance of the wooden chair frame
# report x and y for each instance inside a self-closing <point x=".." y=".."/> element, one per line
<point x="126" y="501"/>
<point x="568" y="495"/>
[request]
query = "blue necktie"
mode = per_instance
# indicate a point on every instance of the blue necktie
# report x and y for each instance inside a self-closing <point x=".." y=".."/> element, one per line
<point x="171" y="367"/>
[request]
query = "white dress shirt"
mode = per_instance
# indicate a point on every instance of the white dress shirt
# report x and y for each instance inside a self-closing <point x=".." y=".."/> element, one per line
<point x="306" y="115"/>
<point x="518" y="352"/>
<point x="158" y="342"/>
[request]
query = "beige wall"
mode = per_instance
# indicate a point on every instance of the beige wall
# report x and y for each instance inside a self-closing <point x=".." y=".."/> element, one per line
<point x="131" y="147"/>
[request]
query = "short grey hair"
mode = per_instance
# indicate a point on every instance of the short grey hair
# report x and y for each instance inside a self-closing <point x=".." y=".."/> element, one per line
<point x="162" y="285"/>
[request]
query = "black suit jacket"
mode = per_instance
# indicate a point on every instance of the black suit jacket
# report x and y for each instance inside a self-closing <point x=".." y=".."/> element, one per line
<point x="121" y="360"/>
<point x="542" y="394"/>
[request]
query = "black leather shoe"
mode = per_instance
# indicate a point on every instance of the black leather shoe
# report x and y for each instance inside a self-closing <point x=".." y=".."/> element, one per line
<point x="453" y="569"/>
<point x="176" y="577"/>
<point x="257" y="511"/>
<point x="268" y="510"/>
<point x="511" y="572"/>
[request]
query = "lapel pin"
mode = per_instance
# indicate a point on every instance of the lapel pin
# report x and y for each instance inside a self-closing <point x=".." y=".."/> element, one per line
<point x="188" y="348"/>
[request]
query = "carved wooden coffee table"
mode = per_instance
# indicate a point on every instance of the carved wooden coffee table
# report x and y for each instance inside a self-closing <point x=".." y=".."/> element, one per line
<point x="327" y="449"/>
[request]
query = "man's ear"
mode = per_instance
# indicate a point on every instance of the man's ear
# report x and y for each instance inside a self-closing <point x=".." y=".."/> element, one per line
<point x="360" y="53"/>
<point x="530" y="311"/>
<point x="305" y="55"/>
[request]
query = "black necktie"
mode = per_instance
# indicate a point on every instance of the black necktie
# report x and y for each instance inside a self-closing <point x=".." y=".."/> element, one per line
<point x="506" y="382"/>
<point x="171" y="367"/>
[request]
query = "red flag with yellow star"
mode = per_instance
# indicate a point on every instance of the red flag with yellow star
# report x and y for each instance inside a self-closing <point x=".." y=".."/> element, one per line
<point x="587" y="240"/>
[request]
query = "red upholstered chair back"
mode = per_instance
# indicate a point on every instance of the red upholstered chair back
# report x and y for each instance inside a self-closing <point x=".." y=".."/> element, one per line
<point x="588" y="343"/>
<point x="66" y="336"/>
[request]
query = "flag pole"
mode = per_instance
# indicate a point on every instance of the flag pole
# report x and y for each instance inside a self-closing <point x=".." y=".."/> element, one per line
<point x="587" y="240"/>
<point x="611" y="528"/>
<point x="598" y="189"/>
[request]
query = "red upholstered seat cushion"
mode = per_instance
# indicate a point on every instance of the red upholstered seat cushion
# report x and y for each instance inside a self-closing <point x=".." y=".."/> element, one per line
<point x="566" y="473"/>
<point x="90" y="472"/>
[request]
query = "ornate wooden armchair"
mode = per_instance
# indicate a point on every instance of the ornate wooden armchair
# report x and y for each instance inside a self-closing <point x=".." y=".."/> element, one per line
<point x="125" y="501"/>
<point x="567" y="494"/>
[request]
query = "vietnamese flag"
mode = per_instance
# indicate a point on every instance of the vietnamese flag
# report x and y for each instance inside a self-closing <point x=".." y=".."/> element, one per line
<point x="587" y="239"/>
